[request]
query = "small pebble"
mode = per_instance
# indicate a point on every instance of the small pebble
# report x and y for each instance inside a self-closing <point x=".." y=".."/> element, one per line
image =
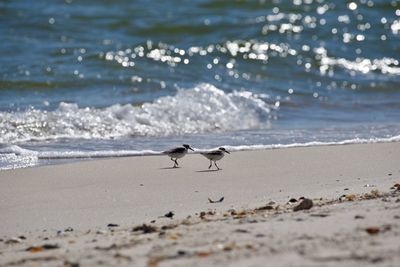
<point x="181" y="252"/>
<point x="71" y="264"/>
<point x="372" y="230"/>
<point x="203" y="214"/>
<point x="169" y="214"/>
<point x="241" y="231"/>
<point x="306" y="204"/>
<point x="13" y="240"/>
<point x="146" y="229"/>
<point x="267" y="207"/>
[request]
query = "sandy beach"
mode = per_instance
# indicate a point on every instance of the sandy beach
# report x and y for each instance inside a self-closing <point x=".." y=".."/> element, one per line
<point x="112" y="212"/>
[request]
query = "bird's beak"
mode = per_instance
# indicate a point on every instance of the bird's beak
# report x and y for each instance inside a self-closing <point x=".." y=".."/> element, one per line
<point x="191" y="148"/>
<point x="227" y="152"/>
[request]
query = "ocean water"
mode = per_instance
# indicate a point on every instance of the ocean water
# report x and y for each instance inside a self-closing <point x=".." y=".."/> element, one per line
<point x="89" y="79"/>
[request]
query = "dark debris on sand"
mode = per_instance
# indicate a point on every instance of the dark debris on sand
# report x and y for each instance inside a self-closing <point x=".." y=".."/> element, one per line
<point x="146" y="229"/>
<point x="305" y="204"/>
<point x="169" y="215"/>
<point x="216" y="201"/>
<point x="42" y="248"/>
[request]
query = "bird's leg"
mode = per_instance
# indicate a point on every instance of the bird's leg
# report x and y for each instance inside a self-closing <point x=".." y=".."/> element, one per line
<point x="210" y="165"/>
<point x="215" y="163"/>
<point x="176" y="162"/>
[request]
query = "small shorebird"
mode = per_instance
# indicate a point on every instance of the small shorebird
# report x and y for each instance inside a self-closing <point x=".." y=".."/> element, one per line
<point x="215" y="155"/>
<point x="177" y="153"/>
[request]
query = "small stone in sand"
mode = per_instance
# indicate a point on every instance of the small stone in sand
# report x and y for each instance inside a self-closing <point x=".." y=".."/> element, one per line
<point x="306" y="204"/>
<point x="292" y="200"/>
<point x="359" y="217"/>
<point x="13" y="240"/>
<point x="69" y="229"/>
<point x="169" y="215"/>
<point x="351" y="197"/>
<point x="169" y="227"/>
<point x="146" y="229"/>
<point x="372" y="230"/>
<point x="181" y="252"/>
<point x="241" y="231"/>
<point x="71" y="264"/>
<point x="216" y="201"/>
<point x="112" y="225"/>
<point x="322" y="215"/>
<point x="42" y="248"/>
<point x="267" y="207"/>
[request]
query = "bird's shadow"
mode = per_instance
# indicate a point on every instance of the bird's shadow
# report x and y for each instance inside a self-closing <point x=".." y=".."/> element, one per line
<point x="170" y="168"/>
<point x="209" y="170"/>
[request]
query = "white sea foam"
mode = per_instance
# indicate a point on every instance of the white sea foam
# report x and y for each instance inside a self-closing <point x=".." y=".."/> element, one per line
<point x="202" y="109"/>
<point x="315" y="143"/>
<point x="16" y="150"/>
<point x="13" y="156"/>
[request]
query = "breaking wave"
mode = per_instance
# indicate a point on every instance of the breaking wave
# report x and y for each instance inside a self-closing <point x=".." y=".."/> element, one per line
<point x="202" y="109"/>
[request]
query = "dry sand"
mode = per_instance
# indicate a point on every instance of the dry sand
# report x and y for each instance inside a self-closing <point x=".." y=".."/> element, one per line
<point x="61" y="212"/>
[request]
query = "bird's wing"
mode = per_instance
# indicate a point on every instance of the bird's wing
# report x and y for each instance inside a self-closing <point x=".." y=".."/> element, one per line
<point x="214" y="152"/>
<point x="210" y="154"/>
<point x="174" y="150"/>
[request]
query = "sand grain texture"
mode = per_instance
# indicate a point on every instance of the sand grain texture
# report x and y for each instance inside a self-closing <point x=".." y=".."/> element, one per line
<point x="67" y="208"/>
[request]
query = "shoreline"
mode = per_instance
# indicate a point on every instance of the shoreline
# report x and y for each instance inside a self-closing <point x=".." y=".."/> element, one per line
<point x="78" y="156"/>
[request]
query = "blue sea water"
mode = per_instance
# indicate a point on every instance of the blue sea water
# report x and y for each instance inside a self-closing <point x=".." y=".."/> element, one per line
<point x="83" y="79"/>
